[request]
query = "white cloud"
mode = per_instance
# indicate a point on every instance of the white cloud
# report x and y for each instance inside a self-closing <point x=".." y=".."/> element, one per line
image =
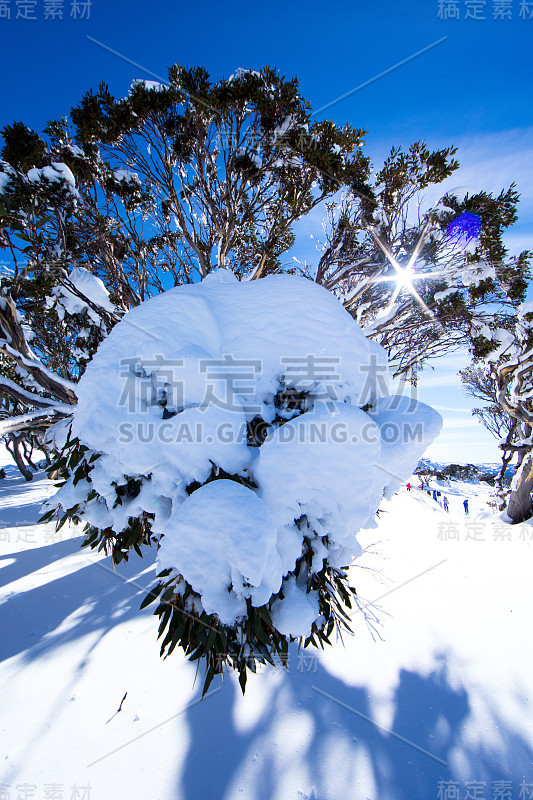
<point x="493" y="161"/>
<point x="452" y="409"/>
<point x="440" y="380"/>
<point x="451" y="422"/>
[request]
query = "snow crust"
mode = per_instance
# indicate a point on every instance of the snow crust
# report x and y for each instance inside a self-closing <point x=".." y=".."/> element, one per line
<point x="406" y="428"/>
<point x="295" y="614"/>
<point x="168" y="396"/>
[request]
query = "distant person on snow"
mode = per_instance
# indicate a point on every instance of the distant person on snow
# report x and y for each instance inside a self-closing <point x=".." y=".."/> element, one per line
<point x="465" y="504"/>
<point x="445" y="501"/>
<point x="434" y="495"/>
<point x="428" y="492"/>
<point x="408" y="487"/>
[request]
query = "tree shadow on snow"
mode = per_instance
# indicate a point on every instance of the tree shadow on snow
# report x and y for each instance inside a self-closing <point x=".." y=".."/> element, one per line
<point x="21" y="501"/>
<point x="286" y="739"/>
<point x="29" y="618"/>
<point x="23" y="562"/>
<point x="307" y="746"/>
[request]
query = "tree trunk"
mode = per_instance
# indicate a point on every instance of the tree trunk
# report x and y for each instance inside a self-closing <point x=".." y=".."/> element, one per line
<point x="27" y="473"/>
<point x="27" y="449"/>
<point x="519" y="507"/>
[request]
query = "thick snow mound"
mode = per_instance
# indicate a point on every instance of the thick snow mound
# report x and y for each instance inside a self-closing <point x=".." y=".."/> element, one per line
<point x="295" y="614"/>
<point x="281" y="326"/>
<point x="406" y="427"/>
<point x="173" y="397"/>
<point x="222" y="536"/>
<point x="323" y="465"/>
<point x="214" y="352"/>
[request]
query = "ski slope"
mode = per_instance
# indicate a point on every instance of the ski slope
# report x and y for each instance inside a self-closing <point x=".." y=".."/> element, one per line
<point x="432" y="695"/>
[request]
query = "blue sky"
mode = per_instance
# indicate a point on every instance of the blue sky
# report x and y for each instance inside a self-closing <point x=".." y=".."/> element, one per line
<point x="471" y="87"/>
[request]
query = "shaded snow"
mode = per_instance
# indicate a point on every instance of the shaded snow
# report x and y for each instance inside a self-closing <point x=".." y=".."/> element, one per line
<point x="441" y="692"/>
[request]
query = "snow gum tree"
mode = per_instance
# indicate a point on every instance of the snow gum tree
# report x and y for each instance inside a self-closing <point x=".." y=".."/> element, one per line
<point x="143" y="193"/>
<point x="412" y="273"/>
<point x="504" y="382"/>
<point x="479" y="383"/>
<point x="229" y="166"/>
<point x="424" y="280"/>
<point x="239" y="427"/>
<point x="112" y="223"/>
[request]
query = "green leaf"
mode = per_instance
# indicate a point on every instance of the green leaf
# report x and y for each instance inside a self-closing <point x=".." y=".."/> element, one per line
<point x="208" y="678"/>
<point x="164" y="620"/>
<point x="198" y="653"/>
<point x="151" y="596"/>
<point x="134" y="534"/>
<point x="178" y="634"/>
<point x="263" y="612"/>
<point x="47" y="516"/>
<point x="164" y="573"/>
<point x="168" y="594"/>
<point x="62" y="521"/>
<point x="265" y="653"/>
<point x="211" y="638"/>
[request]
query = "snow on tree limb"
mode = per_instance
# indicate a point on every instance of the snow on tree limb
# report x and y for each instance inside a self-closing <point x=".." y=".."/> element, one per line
<point x="35" y="419"/>
<point x="23" y="395"/>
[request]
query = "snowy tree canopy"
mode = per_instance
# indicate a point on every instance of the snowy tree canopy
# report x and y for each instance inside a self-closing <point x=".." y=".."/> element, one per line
<point x="246" y="427"/>
<point x="174" y="180"/>
<point x="145" y="192"/>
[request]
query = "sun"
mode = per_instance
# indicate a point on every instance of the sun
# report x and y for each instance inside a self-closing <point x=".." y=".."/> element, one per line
<point x="404" y="280"/>
<point x="404" y="275"/>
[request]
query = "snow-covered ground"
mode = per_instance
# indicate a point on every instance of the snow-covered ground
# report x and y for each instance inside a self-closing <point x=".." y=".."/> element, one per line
<point x="431" y="698"/>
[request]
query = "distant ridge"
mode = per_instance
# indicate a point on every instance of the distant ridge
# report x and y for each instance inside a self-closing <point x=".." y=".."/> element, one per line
<point x="462" y="471"/>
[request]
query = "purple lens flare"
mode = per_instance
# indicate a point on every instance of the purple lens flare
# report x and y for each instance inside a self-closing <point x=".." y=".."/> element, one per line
<point x="464" y="228"/>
